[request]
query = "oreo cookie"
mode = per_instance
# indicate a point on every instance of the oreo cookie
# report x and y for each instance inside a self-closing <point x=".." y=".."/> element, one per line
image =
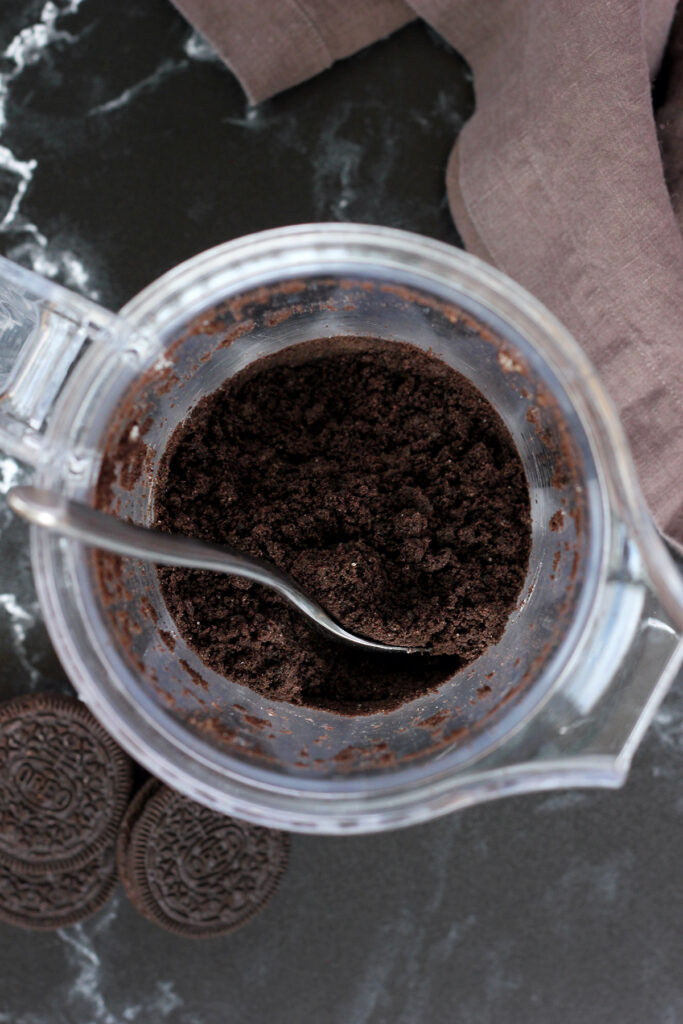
<point x="195" y="872"/>
<point x="56" y="899"/>
<point x="135" y="808"/>
<point x="64" y="784"/>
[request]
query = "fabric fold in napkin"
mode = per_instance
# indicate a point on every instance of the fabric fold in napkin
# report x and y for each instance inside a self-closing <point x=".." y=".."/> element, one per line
<point x="558" y="178"/>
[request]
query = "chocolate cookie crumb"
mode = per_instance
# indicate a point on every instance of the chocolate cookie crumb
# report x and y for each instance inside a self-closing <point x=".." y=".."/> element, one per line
<point x="556" y="521"/>
<point x="385" y="483"/>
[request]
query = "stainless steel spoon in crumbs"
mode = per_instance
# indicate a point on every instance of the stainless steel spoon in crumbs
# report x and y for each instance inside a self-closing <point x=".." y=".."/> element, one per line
<point x="73" y="519"/>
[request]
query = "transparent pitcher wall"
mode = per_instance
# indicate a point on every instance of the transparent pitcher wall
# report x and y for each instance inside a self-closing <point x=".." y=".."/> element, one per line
<point x="72" y="375"/>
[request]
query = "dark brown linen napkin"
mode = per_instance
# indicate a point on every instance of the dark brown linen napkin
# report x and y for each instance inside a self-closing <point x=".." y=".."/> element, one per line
<point x="557" y="178"/>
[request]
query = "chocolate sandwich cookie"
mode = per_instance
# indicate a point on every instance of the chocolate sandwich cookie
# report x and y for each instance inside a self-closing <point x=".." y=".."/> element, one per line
<point x="56" y="899"/>
<point x="195" y="872"/>
<point x="64" y="784"/>
<point x="135" y="808"/>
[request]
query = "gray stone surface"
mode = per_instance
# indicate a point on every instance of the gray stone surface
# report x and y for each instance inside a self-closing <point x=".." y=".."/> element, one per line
<point x="124" y="148"/>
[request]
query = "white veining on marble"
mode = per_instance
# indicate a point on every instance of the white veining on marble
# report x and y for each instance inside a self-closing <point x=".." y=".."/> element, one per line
<point x="374" y="982"/>
<point x="49" y="261"/>
<point x="337" y="166"/>
<point x="24" y="1018"/>
<point x="598" y="886"/>
<point x="446" y="111"/>
<point x="25" y="49"/>
<point x="423" y="942"/>
<point x="28" y="45"/>
<point x="405" y="941"/>
<point x="341" y="165"/>
<point x="85" y="987"/>
<point x="196" y="47"/>
<point x="164" y="1000"/>
<point x="166" y="68"/>
<point x="347" y="156"/>
<point x="562" y="801"/>
<point x="34" y="249"/>
<point x="23" y="169"/>
<point x="18" y="614"/>
<point x="19" y="608"/>
<point x="253" y="118"/>
<point x="85" y="995"/>
<point x="21" y="618"/>
<point x="668" y="723"/>
<point x="10" y="473"/>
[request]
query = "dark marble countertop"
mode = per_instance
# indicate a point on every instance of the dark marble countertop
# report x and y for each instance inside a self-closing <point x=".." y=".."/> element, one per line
<point x="126" y="147"/>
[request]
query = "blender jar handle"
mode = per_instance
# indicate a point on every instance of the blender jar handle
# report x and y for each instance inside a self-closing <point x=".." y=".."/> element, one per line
<point x="43" y="328"/>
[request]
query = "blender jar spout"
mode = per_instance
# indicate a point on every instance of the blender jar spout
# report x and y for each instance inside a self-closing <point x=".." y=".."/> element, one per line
<point x="43" y="330"/>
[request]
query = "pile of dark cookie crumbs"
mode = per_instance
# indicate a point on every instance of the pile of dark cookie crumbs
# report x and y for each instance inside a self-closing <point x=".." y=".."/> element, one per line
<point x="379" y="478"/>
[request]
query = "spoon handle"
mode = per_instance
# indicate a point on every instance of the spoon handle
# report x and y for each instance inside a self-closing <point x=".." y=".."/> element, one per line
<point x="89" y="526"/>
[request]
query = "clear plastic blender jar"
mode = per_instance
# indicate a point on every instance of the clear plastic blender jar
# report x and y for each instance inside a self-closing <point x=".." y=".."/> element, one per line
<point x="565" y="696"/>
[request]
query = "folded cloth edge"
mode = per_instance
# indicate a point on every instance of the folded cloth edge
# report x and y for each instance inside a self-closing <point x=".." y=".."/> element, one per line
<point x="272" y="47"/>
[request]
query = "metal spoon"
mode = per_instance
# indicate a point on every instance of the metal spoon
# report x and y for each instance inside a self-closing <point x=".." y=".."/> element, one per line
<point x="72" y="519"/>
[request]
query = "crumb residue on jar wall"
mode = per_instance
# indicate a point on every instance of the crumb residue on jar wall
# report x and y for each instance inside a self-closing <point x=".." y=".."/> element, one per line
<point x="556" y="562"/>
<point x="167" y="639"/>
<point x="556" y="521"/>
<point x="195" y="676"/>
